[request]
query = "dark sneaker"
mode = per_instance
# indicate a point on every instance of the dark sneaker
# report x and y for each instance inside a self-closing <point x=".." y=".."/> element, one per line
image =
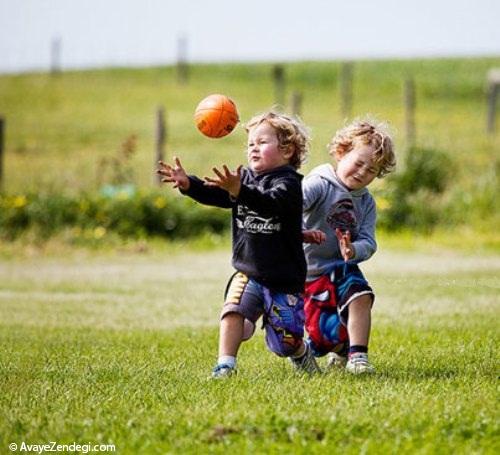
<point x="306" y="363"/>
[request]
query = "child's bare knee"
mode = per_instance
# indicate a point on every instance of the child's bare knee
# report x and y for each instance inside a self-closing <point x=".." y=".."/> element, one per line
<point x="362" y="302"/>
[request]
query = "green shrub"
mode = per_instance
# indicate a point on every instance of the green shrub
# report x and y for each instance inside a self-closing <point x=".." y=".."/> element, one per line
<point x="478" y="205"/>
<point x="414" y="195"/>
<point x="129" y="214"/>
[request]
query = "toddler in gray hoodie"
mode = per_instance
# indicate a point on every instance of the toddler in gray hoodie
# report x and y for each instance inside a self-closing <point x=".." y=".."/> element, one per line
<point x="339" y="223"/>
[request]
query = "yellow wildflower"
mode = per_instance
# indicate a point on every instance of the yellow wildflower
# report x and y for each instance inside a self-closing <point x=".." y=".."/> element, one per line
<point x="382" y="203"/>
<point x="19" y="201"/>
<point x="160" y="202"/>
<point x="99" y="232"/>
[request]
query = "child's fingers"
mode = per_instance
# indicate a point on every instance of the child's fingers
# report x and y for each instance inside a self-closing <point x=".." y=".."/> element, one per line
<point x="209" y="181"/>
<point x="218" y="173"/>
<point x="165" y="167"/>
<point x="343" y="236"/>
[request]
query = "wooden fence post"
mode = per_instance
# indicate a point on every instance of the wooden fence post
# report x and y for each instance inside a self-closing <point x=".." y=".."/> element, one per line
<point x="345" y="87"/>
<point x="161" y="136"/>
<point x="279" y="84"/>
<point x="182" y="65"/>
<point x="55" y="56"/>
<point x="2" y="129"/>
<point x="493" y="89"/>
<point x="296" y="103"/>
<point x="409" y="106"/>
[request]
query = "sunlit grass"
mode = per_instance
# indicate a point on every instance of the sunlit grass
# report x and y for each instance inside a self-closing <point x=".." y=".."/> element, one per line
<point x="116" y="347"/>
<point x="59" y="127"/>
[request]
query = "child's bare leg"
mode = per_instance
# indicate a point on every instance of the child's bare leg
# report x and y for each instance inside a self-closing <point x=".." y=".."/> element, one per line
<point x="358" y="326"/>
<point x="230" y="334"/>
<point x="359" y="320"/>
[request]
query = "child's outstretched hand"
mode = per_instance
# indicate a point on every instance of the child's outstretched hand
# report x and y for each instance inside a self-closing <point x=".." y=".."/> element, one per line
<point x="174" y="174"/>
<point x="227" y="180"/>
<point x="313" y="236"/>
<point x="346" y="247"/>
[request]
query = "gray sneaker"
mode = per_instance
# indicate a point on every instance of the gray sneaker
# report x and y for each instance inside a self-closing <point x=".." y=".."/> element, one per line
<point x="223" y="371"/>
<point x="306" y="363"/>
<point x="358" y="364"/>
<point x="335" y="361"/>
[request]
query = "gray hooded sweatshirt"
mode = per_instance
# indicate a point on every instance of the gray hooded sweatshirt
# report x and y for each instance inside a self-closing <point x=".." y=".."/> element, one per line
<point x="329" y="204"/>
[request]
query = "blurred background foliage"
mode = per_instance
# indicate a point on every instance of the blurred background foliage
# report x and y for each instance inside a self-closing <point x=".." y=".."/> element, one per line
<point x="79" y="146"/>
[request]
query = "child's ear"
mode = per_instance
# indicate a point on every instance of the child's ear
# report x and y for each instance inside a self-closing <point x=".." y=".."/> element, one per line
<point x="338" y="155"/>
<point x="290" y="150"/>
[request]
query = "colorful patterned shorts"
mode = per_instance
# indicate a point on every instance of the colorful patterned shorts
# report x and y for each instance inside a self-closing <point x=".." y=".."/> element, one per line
<point x="326" y="307"/>
<point x="283" y="314"/>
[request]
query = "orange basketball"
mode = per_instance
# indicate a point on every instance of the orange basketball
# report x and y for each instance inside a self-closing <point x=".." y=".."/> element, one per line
<point x="216" y="116"/>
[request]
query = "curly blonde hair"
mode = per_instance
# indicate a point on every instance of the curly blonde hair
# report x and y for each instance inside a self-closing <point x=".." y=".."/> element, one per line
<point x="368" y="131"/>
<point x="291" y="132"/>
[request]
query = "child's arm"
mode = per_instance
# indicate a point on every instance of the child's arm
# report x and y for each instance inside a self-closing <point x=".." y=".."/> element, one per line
<point x="365" y="244"/>
<point x="313" y="236"/>
<point x="192" y="186"/>
<point x="273" y="200"/>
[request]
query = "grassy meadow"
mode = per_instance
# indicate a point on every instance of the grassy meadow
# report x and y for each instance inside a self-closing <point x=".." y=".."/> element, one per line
<point x="59" y="127"/>
<point x="116" y="348"/>
<point x="64" y="132"/>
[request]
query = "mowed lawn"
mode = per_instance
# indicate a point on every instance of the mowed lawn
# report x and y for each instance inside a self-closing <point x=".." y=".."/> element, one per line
<point x="116" y="348"/>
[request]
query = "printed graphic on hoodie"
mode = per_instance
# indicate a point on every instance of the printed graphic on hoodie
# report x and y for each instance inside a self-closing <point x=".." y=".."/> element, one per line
<point x="254" y="224"/>
<point x="341" y="215"/>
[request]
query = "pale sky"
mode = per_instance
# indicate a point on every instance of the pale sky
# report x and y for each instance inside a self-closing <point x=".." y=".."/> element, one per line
<point x="97" y="33"/>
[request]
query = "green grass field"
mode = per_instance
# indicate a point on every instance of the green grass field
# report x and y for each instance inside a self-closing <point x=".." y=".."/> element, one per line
<point x="115" y="347"/>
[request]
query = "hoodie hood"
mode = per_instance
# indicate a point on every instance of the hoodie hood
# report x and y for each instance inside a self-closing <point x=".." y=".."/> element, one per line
<point x="327" y="172"/>
<point x="282" y="170"/>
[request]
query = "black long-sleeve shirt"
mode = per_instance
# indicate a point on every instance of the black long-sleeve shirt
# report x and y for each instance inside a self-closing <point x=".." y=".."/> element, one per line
<point x="266" y="226"/>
